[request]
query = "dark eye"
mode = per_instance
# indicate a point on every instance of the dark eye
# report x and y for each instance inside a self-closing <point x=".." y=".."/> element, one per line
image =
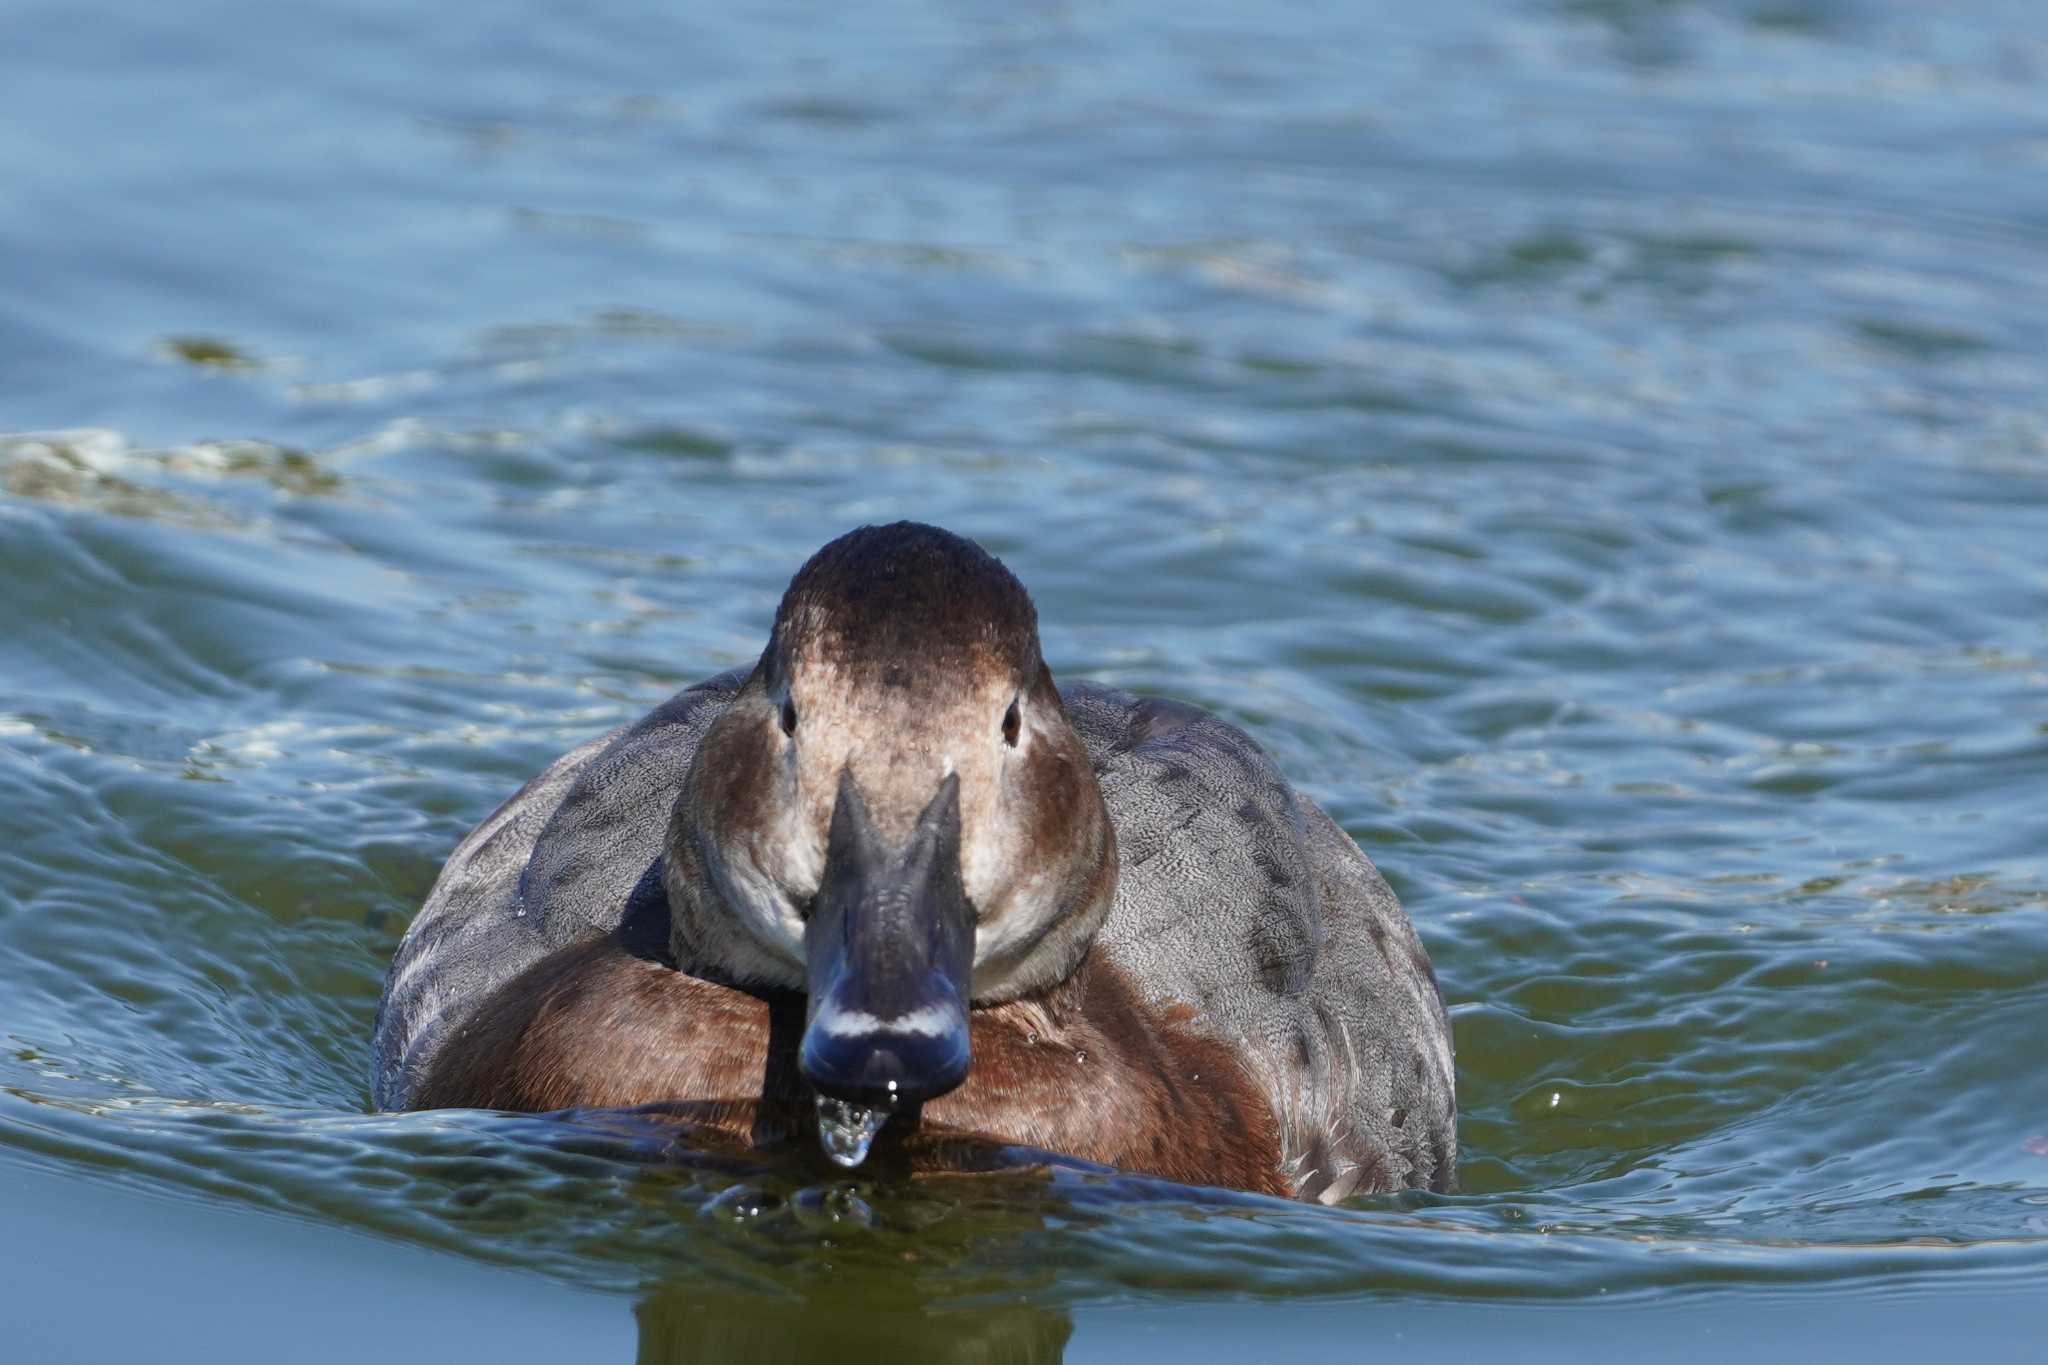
<point x="788" y="716"/>
<point x="1011" y="720"/>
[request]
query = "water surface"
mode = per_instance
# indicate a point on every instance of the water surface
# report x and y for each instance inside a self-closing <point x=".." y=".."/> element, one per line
<point x="1596" y="446"/>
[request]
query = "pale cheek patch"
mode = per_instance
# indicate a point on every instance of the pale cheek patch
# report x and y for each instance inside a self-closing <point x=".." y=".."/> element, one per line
<point x="765" y="910"/>
<point x="766" y="903"/>
<point x="990" y="855"/>
<point x="760" y="901"/>
<point x="1029" y="910"/>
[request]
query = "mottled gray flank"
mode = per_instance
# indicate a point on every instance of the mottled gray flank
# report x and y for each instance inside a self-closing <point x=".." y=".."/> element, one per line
<point x="1242" y="898"/>
<point x="554" y="864"/>
<point x="1236" y="896"/>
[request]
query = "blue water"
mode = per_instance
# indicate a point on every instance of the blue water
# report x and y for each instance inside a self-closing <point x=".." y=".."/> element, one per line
<point x="1597" y="447"/>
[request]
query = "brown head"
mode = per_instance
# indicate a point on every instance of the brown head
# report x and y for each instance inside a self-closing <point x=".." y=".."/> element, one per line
<point x="894" y="814"/>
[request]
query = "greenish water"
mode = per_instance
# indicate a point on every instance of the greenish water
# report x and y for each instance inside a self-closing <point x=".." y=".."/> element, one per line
<point x="1596" y="446"/>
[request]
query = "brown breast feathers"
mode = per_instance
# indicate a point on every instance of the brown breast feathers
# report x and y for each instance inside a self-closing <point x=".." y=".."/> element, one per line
<point x="1088" y="1069"/>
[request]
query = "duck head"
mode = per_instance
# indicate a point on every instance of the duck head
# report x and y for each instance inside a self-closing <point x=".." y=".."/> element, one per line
<point x="893" y="815"/>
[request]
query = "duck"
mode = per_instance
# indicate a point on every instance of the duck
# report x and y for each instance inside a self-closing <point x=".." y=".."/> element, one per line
<point x="893" y="878"/>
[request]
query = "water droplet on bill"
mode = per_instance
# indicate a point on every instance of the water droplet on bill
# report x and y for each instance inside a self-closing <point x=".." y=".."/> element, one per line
<point x="846" y="1131"/>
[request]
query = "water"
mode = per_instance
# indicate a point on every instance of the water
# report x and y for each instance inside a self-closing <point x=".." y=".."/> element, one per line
<point x="1595" y="445"/>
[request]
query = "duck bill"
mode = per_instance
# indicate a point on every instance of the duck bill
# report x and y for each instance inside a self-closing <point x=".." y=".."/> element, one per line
<point x="889" y="946"/>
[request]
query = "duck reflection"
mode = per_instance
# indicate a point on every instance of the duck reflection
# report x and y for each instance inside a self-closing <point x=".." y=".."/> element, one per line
<point x="953" y="1266"/>
<point x="942" y="1249"/>
<point x="848" y="1321"/>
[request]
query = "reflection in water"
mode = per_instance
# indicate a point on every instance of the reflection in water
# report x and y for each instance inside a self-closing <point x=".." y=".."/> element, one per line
<point x="846" y="1320"/>
<point x="883" y="1266"/>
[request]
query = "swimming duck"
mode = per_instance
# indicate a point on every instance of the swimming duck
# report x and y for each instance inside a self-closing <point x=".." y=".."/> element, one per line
<point x="894" y="873"/>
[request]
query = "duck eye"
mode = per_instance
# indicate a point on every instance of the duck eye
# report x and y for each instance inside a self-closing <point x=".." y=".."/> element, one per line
<point x="1011" y="720"/>
<point x="788" y="716"/>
